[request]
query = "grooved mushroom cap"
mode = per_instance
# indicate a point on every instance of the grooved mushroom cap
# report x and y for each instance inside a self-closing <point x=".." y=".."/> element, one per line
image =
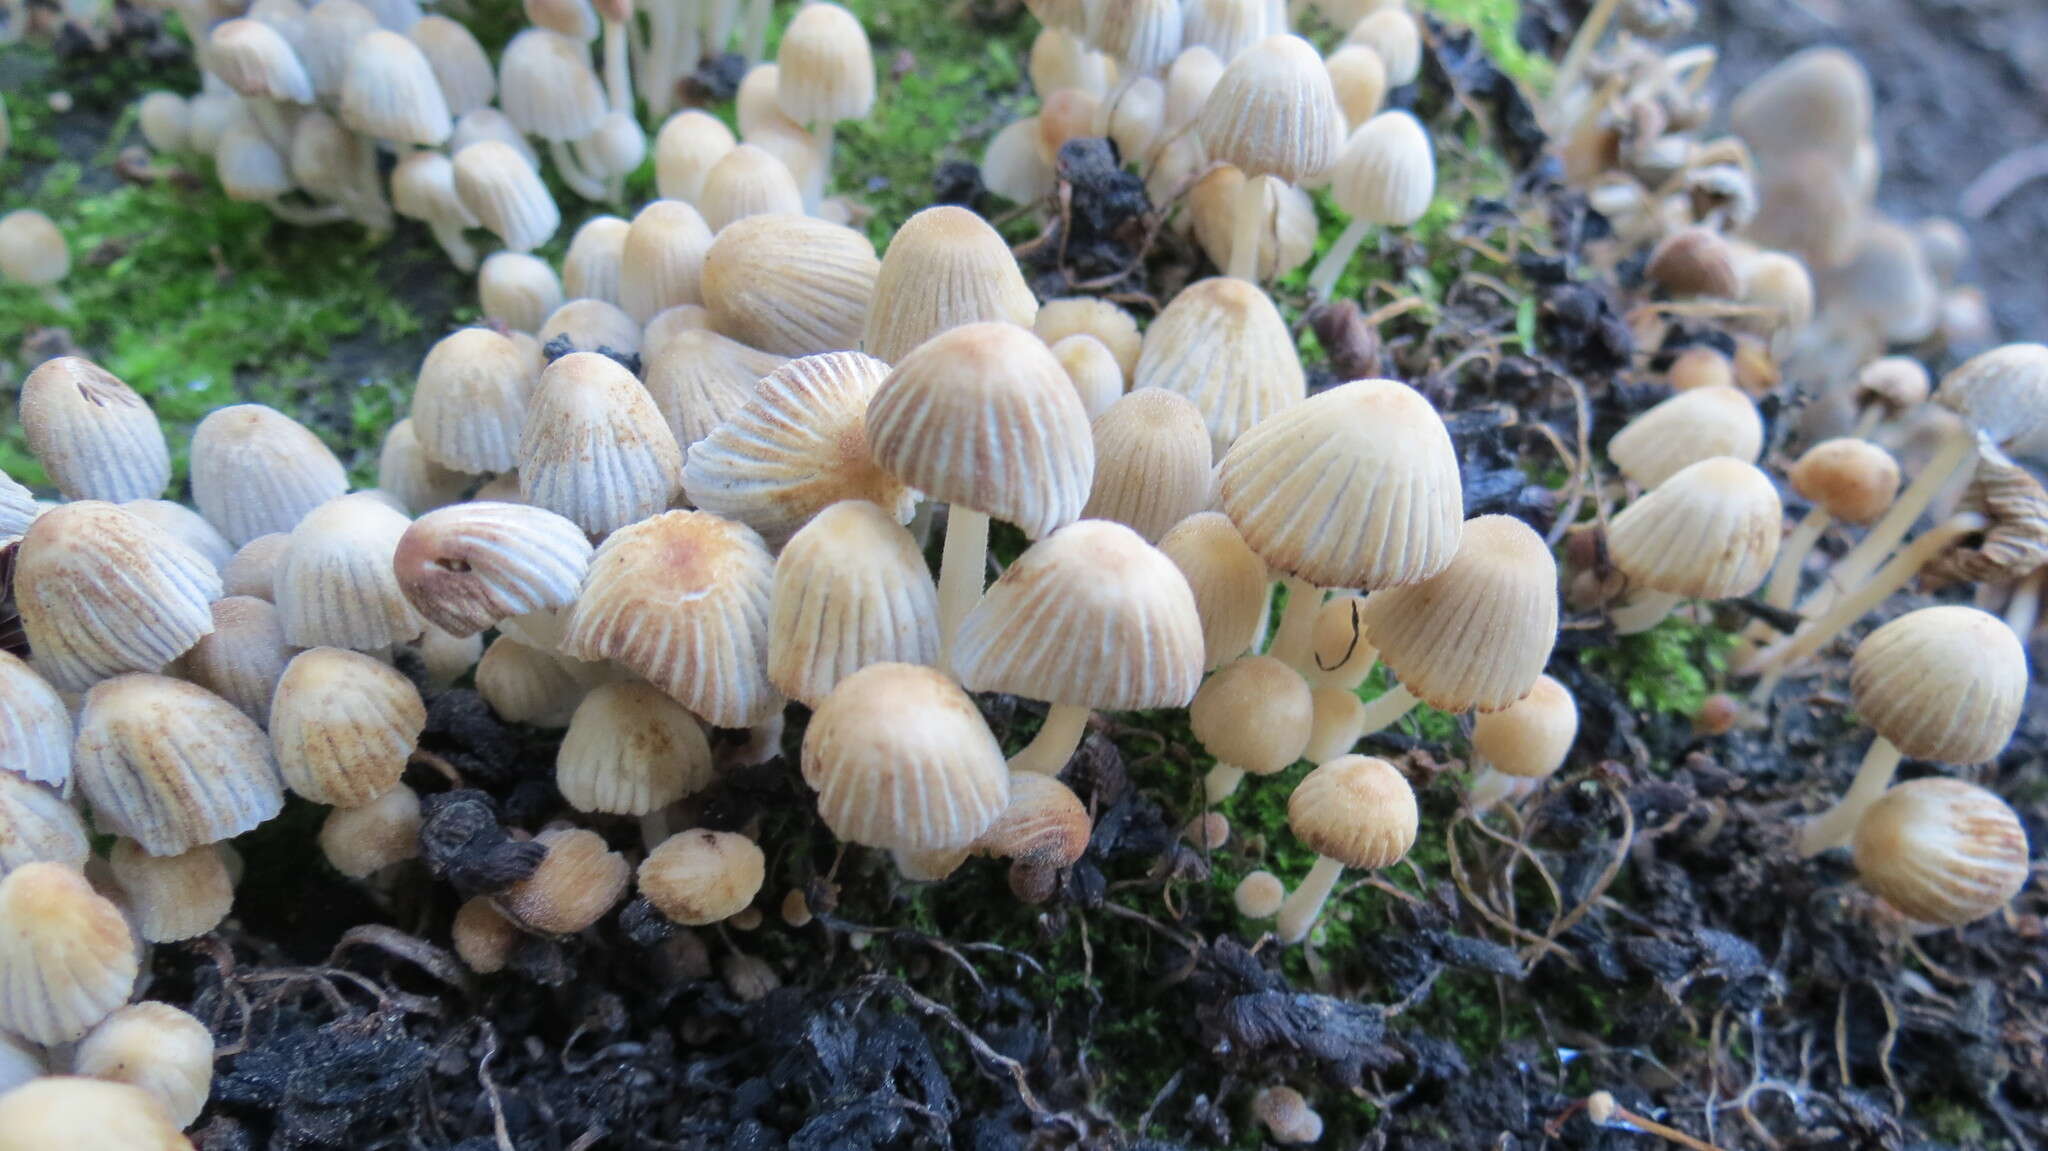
<point x="1092" y="616"/>
<point x="35" y="726"/>
<point x="797" y="446"/>
<point x="662" y="265"/>
<point x="689" y="143"/>
<point x="1254" y="714"/>
<point x="1943" y="683"/>
<point x="1274" y="113"/>
<point x="547" y="87"/>
<point x="851" y="589"/>
<point x="1230" y="583"/>
<point x="66" y="957"/>
<point x="337" y="587"/>
<point x="1854" y="479"/>
<point x="700" y="877"/>
<point x="499" y="186"/>
<point x="460" y="66"/>
<point x="1222" y="27"/>
<point x="596" y="450"/>
<point x="187" y="527"/>
<point x="1387" y="173"/>
<point x="748" y="181"/>
<point x="469" y="403"/>
<point x="1152" y="464"/>
<point x="1476" y="635"/>
<point x="1142" y="35"/>
<point x="984" y="417"/>
<point x="1709" y="531"/>
<point x="1942" y="851"/>
<point x="1044" y="823"/>
<point x="81" y="1114"/>
<point x="901" y="758"/>
<point x="944" y="267"/>
<point x="95" y="437"/>
<point x="37" y="825"/>
<point x="1355" y="487"/>
<point x="577" y="882"/>
<point x="343" y="725"/>
<point x="1529" y="738"/>
<point x="1222" y="344"/>
<point x="102" y="591"/>
<point x="360" y="841"/>
<point x="791" y="285"/>
<point x="18" y="509"/>
<point x="256" y="470"/>
<point x="154" y="1047"/>
<point x="700" y="378"/>
<point x="631" y="750"/>
<point x="825" y="69"/>
<point x="33" y="250"/>
<point x="2004" y="394"/>
<point x="590" y="268"/>
<point x="391" y="92"/>
<point x="1694" y="425"/>
<point x="172" y="897"/>
<point x="242" y="659"/>
<point x="1341" y="654"/>
<point x="257" y="62"/>
<point x="172" y="766"/>
<point x="1355" y="809"/>
<point x="681" y="599"/>
<point x="467" y="566"/>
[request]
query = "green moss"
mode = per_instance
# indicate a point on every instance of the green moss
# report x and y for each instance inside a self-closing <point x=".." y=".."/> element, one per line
<point x="1495" y="21"/>
<point x="1956" y="1124"/>
<point x="1671" y="667"/>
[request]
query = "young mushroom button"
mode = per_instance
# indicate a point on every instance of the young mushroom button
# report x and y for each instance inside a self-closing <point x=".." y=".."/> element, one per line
<point x="1354" y="811"/>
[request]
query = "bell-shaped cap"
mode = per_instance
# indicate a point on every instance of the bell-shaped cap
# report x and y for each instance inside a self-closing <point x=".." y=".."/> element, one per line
<point x="257" y="62"/>
<point x="524" y="684"/>
<point x="1222" y="344"/>
<point x="361" y="841"/>
<point x="1710" y="531"/>
<point x="1355" y="809"/>
<point x="1341" y="654"/>
<point x="689" y="143"/>
<point x="589" y="325"/>
<point x="82" y="1114"/>
<point x="2004" y="394"/>
<point x="596" y="450"/>
<point x="337" y="587"/>
<point x="790" y="284"/>
<point x="461" y="68"/>
<point x="590" y="268"/>
<point x="1274" y="113"/>
<point x="417" y="482"/>
<point x="243" y="657"/>
<point x="467" y="566"/>
<point x="35" y="726"/>
<point x="901" y="759"/>
<point x="1091" y="616"/>
<point x="662" y="264"/>
<point x="1529" y="738"/>
<point x="37" y="825"/>
<point x="699" y="379"/>
<point x="343" y="725"/>
<point x="1818" y="100"/>
<point x="851" y="589"/>
<point x="748" y="181"/>
<point x="984" y="417"/>
<point x="391" y="93"/>
<point x="66" y="957"/>
<point x="187" y="527"/>
<point x="469" y="404"/>
<point x="517" y="290"/>
<point x="1254" y="714"/>
<point x="1387" y="173"/>
<point x="1942" y="851"/>
<point x="1230" y="583"/>
<point x="1152" y="465"/>
<point x="1476" y="635"/>
<point x="256" y="470"/>
<point x="825" y="69"/>
<point x="1355" y="487"/>
<point x="631" y="750"/>
<point x="944" y="267"/>
<point x="499" y="186"/>
<point x="95" y="437"/>
<point x="171" y="765"/>
<point x="154" y="1047"/>
<point x="547" y="87"/>
<point x="252" y="570"/>
<point x="681" y="599"/>
<point x="1943" y="683"/>
<point x="700" y="877"/>
<point x="1694" y="425"/>
<point x="1853" y="479"/>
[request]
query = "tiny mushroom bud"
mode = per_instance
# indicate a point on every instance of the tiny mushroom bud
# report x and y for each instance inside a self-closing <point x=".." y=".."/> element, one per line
<point x="1393" y="35"/>
<point x="95" y="437"/>
<point x="748" y="181"/>
<point x="156" y="1047"/>
<point x="851" y="589"/>
<point x="252" y="571"/>
<point x="517" y="290"/>
<point x="578" y="881"/>
<point x="1887" y="387"/>
<point x="1092" y="316"/>
<point x="945" y="267"/>
<point x="343" y="725"/>
<point x="631" y="750"/>
<point x="1096" y="376"/>
<point x="468" y="566"/>
<point x="1354" y="811"/>
<point x="1044" y="824"/>
<point x="337" y="587"/>
<point x="256" y="470"/>
<point x="701" y="877"/>
<point x="1359" y="78"/>
<point x="1852" y="480"/>
<point x="482" y="936"/>
<point x="243" y="657"/>
<point x="404" y="470"/>
<point x="1527" y="740"/>
<point x="1700" y="366"/>
<point x="172" y="897"/>
<point x="1259" y="895"/>
<point x="1341" y="655"/>
<point x="524" y="684"/>
<point x="165" y="119"/>
<point x="1282" y="1109"/>
<point x="1941" y="851"/>
<point x="66" y="958"/>
<point x="81" y="1114"/>
<point x="1229" y="581"/>
<point x="1696" y="261"/>
<point x="685" y="149"/>
<point x="1252" y="716"/>
<point x="361" y="841"/>
<point x="1689" y="427"/>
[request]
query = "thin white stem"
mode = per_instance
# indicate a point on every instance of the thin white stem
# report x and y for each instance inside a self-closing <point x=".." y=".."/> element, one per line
<point x="1951" y="457"/>
<point x="582" y="183"/>
<point x="1386" y="711"/>
<point x="1488" y="788"/>
<point x="1055" y="742"/>
<point x="1221" y="782"/>
<point x="307" y="217"/>
<point x="272" y="122"/>
<point x="1304" y="904"/>
<point x="1248" y="223"/>
<point x="1836" y="826"/>
<point x="961" y="565"/>
<point x="1323" y="280"/>
<point x="821" y="171"/>
<point x="460" y="251"/>
<point x="1339" y="721"/>
<point x="1297" y="622"/>
<point x="1866" y="423"/>
<point x="1642" y="611"/>
<point x="1784" y="585"/>
<point x="759" y="13"/>
<point x="2023" y="610"/>
<point x="719" y="17"/>
<point x="617" y="84"/>
<point x="764" y="742"/>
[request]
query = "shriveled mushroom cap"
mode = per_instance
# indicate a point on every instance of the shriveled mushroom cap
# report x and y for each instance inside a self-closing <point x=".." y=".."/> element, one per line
<point x="244" y="656"/>
<point x="662" y="265"/>
<point x="1230" y="583"/>
<point x="788" y="284"/>
<point x="1476" y="635"/>
<point x="577" y="882"/>
<point x="1854" y="479"/>
<point x="83" y="1114"/>
<point x="1341" y="654"/>
<point x="66" y="957"/>
<point x="343" y="725"/>
<point x="681" y="599"/>
<point x="983" y="416"/>
<point x="1689" y="427"/>
<point x="157" y="1048"/>
<point x="37" y="825"/>
<point x="337" y="586"/>
<point x="360" y="841"/>
<point x="35" y="726"/>
<point x="500" y="188"/>
<point x="851" y="589"/>
<point x="596" y="450"/>
<point x="700" y="877"/>
<point x="547" y="87"/>
<point x="901" y="758"/>
<point x="172" y="897"/>
<point x="96" y="438"/>
<point x="256" y="470"/>
<point x="1711" y="531"/>
<point x="700" y="378"/>
<point x="1355" y="809"/>
<point x="1222" y="344"/>
<point x="1254" y="713"/>
<point x="467" y="566"/>
<point x="1152" y="465"/>
<point x="1092" y="616"/>
<point x="257" y="61"/>
<point x="797" y="446"/>
<point x="1355" y="487"/>
<point x="631" y="750"/>
<point x="469" y="403"/>
<point x="1274" y="113"/>
<point x="1387" y="173"/>
<point x="826" y="71"/>
<point x="391" y="92"/>
<point x="944" y="267"/>
<point x="102" y="591"/>
<point x="1044" y="823"/>
<point x="2004" y="394"/>
<point x="1942" y="683"/>
<point x="1529" y="738"/>
<point x="1942" y="851"/>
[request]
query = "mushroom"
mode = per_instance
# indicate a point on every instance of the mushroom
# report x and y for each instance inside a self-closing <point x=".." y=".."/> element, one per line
<point x="1092" y="316"/>
<point x="33" y="251"/>
<point x="258" y="63"/>
<point x="1095" y="374"/>
<point x="1889" y="387"/>
<point x="631" y="750"/>
<point x="688" y="145"/>
<point x="1089" y="617"/>
<point x="945" y="267"/>
<point x="1942" y="683"/>
<point x="517" y="290"/>
<point x="1690" y="426"/>
<point x="483" y="938"/>
<point x="1223" y="27"/>
<point x="1710" y="531"/>
<point x="35" y="726"/>
<point x="748" y="181"/>
<point x="404" y="470"/>
<point x="154" y="1047"/>
<point x="1259" y="895"/>
<point x="577" y="882"/>
<point x="1230" y="583"/>
<point x="1354" y="811"/>
<point x="1252" y="716"/>
<point x="1852" y="480"/>
<point x="243" y="657"/>
<point x="337" y="587"/>
<point x="102" y="591"/>
<point x="500" y="187"/>
<point x="1695" y="261"/>
<point x="468" y="566"/>
<point x="701" y="877"/>
<point x="662" y="265"/>
<point x="38" y="825"/>
<point x="699" y="379"/>
<point x="172" y="897"/>
<point x="901" y="759"/>
<point x="668" y="324"/>
<point x="589" y="326"/>
<point x="1133" y="118"/>
<point x="391" y="93"/>
<point x="186" y="526"/>
<point x="1943" y="852"/>
<point x="361" y="841"/>
<point x="1272" y="114"/>
<point x="460" y="66"/>
<point x="1699" y="366"/>
<point x="524" y="684"/>
<point x="1043" y="827"/>
<point x="1282" y="1109"/>
<point x="1221" y="343"/>
<point x="326" y="37"/>
<point x="1341" y="655"/>
<point x="66" y="960"/>
<point x="1524" y="742"/>
<point x="256" y="471"/>
<point x="1013" y="168"/>
<point x="590" y="268"/>
<point x="469" y="402"/>
<point x="96" y="438"/>
<point x="1152" y="462"/>
<point x="85" y="1115"/>
<point x="790" y="285"/>
<point x="547" y="87"/>
<point x="851" y="589"/>
<point x="983" y="417"/>
<point x="343" y="726"/>
<point x="595" y="449"/>
<point x="1385" y="176"/>
<point x="825" y="74"/>
<point x="1359" y="78"/>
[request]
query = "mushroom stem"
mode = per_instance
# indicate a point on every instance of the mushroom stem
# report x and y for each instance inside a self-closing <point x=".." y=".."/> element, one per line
<point x="764" y="742"/>
<point x="1488" y="788"/>
<point x="1338" y="722"/>
<point x="1835" y="827"/>
<point x="1386" y="711"/>
<point x="2023" y="610"/>
<point x="1247" y="222"/>
<point x="961" y="565"/>
<point x="1952" y="456"/>
<point x="460" y="251"/>
<point x="719" y="17"/>
<point x="582" y="183"/>
<point x="1866" y="423"/>
<point x="1221" y="782"/>
<point x="1055" y="742"/>
<point x="759" y="12"/>
<point x="1774" y="660"/>
<point x="617" y="85"/>
<point x="301" y="216"/>
<point x="270" y="120"/>
<point x="814" y="181"/>
<point x="1642" y="611"/>
<point x="1297" y="622"/>
<point x="1324" y="279"/>
<point x="1305" y="903"/>
<point x="1784" y="585"/>
<point x="928" y="866"/>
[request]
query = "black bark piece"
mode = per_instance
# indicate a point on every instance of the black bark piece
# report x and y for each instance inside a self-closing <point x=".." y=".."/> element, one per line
<point x="462" y="842"/>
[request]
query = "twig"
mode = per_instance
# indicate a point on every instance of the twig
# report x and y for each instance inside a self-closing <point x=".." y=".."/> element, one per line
<point x="1602" y="1111"/>
<point x="1607" y="876"/>
<point x="490" y="1086"/>
<point x="944" y="1014"/>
